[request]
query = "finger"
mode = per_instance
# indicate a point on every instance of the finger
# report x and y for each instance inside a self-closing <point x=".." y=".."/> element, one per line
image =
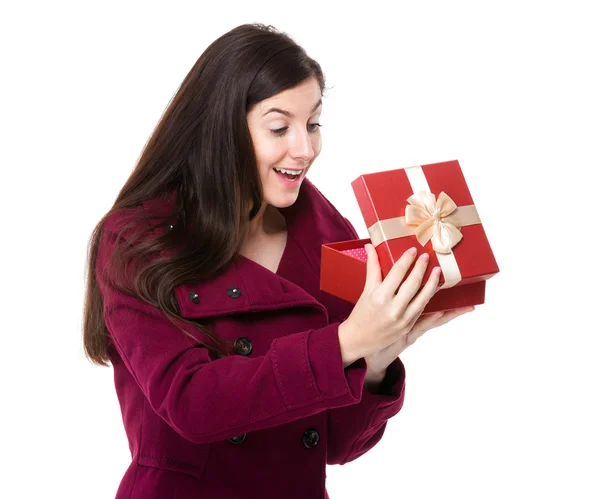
<point x="397" y="273"/>
<point x="427" y="322"/>
<point x="433" y="320"/>
<point x="414" y="334"/>
<point x="414" y="320"/>
<point x="373" y="268"/>
<point x="453" y="314"/>
<point x="413" y="303"/>
<point x="431" y="316"/>
<point x="413" y="282"/>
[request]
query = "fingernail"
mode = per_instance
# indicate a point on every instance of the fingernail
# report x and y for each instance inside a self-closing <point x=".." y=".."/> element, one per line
<point x="412" y="251"/>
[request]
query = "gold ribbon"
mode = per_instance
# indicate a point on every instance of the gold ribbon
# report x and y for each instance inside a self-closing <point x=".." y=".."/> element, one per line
<point x="428" y="219"/>
<point x="438" y="220"/>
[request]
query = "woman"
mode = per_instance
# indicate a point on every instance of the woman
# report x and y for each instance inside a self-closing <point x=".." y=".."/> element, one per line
<point x="236" y="376"/>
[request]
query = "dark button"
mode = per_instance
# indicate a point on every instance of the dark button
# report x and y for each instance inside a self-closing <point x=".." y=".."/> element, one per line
<point x="234" y="292"/>
<point x="194" y="297"/>
<point x="311" y="438"/>
<point x="237" y="440"/>
<point x="170" y="226"/>
<point x="243" y="346"/>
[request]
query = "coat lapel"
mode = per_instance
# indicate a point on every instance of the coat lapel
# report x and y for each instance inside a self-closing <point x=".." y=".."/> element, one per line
<point x="246" y="286"/>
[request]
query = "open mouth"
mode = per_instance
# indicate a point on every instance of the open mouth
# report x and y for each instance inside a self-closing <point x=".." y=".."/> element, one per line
<point x="289" y="175"/>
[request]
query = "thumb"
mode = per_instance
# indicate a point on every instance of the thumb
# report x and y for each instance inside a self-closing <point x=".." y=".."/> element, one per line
<point x="373" y="268"/>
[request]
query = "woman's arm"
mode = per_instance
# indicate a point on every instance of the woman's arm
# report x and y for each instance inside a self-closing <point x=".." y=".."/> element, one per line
<point x="207" y="400"/>
<point x="355" y="429"/>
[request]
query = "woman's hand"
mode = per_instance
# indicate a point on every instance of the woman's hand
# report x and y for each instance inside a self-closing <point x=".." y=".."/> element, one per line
<point x="378" y="362"/>
<point x="387" y="308"/>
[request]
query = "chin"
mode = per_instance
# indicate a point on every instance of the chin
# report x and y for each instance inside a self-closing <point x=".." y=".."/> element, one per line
<point x="280" y="199"/>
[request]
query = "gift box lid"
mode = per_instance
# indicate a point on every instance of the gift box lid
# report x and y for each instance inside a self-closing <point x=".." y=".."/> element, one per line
<point x="429" y="207"/>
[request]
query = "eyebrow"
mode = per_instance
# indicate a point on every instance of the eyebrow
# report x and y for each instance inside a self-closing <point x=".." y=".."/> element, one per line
<point x="287" y="113"/>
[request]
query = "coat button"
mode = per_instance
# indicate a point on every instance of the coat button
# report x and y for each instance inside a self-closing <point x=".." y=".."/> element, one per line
<point x="170" y="227"/>
<point x="237" y="440"/>
<point x="243" y="346"/>
<point x="234" y="292"/>
<point x="311" y="438"/>
<point x="194" y="297"/>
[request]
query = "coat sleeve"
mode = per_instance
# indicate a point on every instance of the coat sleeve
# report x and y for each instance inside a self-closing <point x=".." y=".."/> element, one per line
<point x="355" y="429"/>
<point x="207" y="400"/>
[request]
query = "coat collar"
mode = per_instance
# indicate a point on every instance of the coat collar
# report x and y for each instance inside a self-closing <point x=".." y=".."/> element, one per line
<point x="247" y="286"/>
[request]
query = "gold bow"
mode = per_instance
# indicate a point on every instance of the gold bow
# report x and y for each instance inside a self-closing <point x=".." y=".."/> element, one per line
<point x="435" y="219"/>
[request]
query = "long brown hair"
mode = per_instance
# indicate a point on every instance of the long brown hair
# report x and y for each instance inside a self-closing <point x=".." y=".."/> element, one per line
<point x="201" y="151"/>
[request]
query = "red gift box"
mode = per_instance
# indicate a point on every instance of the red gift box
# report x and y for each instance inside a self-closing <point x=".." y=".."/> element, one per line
<point x="428" y="207"/>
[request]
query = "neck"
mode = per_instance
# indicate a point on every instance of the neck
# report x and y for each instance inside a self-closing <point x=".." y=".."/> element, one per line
<point x="267" y="222"/>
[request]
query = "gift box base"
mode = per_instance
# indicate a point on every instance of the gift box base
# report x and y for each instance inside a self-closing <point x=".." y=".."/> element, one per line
<point x="344" y="271"/>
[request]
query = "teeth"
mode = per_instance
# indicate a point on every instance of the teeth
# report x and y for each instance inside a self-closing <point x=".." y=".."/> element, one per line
<point x="292" y="172"/>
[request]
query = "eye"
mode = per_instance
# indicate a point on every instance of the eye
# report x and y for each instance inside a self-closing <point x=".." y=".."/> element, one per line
<point x="279" y="131"/>
<point x="314" y="127"/>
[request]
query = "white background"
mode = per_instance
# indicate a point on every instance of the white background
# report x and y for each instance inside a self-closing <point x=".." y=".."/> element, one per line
<point x="500" y="403"/>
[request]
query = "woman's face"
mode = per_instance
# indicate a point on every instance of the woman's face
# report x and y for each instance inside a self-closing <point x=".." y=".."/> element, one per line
<point x="285" y="134"/>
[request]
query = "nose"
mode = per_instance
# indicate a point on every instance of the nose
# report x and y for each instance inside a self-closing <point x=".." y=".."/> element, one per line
<point x="302" y="147"/>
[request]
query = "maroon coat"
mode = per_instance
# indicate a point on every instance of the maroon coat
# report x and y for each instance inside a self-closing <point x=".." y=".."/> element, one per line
<point x="264" y="422"/>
